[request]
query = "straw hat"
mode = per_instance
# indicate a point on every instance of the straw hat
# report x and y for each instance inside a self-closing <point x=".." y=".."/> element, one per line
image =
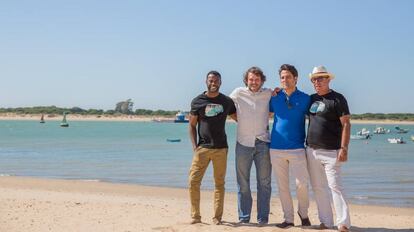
<point x="320" y="71"/>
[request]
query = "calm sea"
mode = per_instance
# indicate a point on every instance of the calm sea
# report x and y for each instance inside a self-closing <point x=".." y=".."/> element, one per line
<point x="138" y="153"/>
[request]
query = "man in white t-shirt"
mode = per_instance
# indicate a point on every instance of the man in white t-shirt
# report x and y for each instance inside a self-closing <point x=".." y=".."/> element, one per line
<point x="252" y="108"/>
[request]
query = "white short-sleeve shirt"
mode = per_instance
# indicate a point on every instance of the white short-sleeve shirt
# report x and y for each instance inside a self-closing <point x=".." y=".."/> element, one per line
<point x="252" y="115"/>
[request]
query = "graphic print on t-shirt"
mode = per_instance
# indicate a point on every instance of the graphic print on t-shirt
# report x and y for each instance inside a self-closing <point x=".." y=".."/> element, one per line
<point x="213" y="110"/>
<point x="316" y="107"/>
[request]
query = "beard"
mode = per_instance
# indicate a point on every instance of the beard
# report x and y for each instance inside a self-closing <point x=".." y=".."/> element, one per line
<point x="213" y="89"/>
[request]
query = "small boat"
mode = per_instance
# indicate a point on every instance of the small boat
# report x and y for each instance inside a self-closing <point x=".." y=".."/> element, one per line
<point x="180" y="117"/>
<point x="360" y="137"/>
<point x="401" y="130"/>
<point x="64" y="123"/>
<point x="381" y="130"/>
<point x="412" y="138"/>
<point x="173" y="140"/>
<point x="396" y="140"/>
<point x="161" y="120"/>
<point x="42" y="119"/>
<point x="364" y="131"/>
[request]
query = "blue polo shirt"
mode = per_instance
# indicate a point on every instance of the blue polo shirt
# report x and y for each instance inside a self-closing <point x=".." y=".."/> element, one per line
<point x="288" y="130"/>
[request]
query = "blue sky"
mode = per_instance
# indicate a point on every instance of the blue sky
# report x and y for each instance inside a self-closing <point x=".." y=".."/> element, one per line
<point x="92" y="54"/>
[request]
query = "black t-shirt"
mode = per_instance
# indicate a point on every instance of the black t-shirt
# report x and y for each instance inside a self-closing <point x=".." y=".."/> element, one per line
<point x="212" y="114"/>
<point x="325" y="128"/>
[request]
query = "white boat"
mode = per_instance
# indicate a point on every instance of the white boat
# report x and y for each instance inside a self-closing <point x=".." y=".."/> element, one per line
<point x="180" y="117"/>
<point x="364" y="131"/>
<point x="162" y="120"/>
<point x="401" y="130"/>
<point x="381" y="130"/>
<point x="360" y="137"/>
<point x="412" y="138"/>
<point x="396" y="140"/>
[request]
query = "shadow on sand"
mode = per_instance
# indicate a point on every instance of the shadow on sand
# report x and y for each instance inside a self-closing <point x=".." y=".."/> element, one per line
<point x="353" y="228"/>
<point x="372" y="229"/>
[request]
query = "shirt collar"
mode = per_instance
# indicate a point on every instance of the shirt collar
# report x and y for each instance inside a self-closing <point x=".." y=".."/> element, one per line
<point x="253" y="93"/>
<point x="293" y="93"/>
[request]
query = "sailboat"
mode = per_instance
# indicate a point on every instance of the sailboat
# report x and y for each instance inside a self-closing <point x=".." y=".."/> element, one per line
<point x="42" y="119"/>
<point x="64" y="123"/>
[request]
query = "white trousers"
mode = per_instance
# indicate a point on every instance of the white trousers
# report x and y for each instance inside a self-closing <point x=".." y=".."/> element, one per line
<point x="325" y="175"/>
<point x="296" y="159"/>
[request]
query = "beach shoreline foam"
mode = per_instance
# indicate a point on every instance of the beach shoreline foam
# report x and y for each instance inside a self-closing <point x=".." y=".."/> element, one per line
<point x="31" y="204"/>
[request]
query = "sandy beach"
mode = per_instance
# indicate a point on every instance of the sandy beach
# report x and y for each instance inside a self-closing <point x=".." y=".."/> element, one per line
<point x="29" y="204"/>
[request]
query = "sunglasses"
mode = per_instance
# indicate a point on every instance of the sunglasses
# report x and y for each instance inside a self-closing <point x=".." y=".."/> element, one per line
<point x="288" y="104"/>
<point x="318" y="79"/>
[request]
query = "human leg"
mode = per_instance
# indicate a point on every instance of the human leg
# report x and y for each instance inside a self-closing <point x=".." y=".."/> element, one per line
<point x="198" y="168"/>
<point x="219" y="159"/>
<point x="320" y="186"/>
<point x="333" y="173"/>
<point x="301" y="175"/>
<point x="264" y="180"/>
<point x="280" y="168"/>
<point x="244" y="160"/>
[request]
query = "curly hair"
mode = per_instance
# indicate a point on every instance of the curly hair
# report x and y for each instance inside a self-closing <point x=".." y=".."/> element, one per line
<point x="256" y="71"/>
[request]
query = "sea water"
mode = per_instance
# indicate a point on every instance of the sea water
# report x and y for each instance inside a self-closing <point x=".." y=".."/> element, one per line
<point x="138" y="153"/>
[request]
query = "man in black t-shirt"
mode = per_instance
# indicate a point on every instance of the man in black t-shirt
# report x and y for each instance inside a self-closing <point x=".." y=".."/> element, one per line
<point x="208" y="115"/>
<point x="327" y="140"/>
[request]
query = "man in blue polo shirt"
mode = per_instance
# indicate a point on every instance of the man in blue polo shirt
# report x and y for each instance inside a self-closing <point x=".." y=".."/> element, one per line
<point x="287" y="147"/>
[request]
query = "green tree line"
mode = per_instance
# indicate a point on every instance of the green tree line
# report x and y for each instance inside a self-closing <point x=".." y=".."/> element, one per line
<point x="78" y="110"/>
<point x="381" y="116"/>
<point x="146" y="112"/>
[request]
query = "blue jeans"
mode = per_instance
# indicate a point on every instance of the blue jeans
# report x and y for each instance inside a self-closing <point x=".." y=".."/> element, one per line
<point x="244" y="160"/>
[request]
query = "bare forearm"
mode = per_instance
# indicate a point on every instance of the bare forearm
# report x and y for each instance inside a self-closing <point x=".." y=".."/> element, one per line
<point x="193" y="136"/>
<point x="346" y="132"/>
<point x="192" y="130"/>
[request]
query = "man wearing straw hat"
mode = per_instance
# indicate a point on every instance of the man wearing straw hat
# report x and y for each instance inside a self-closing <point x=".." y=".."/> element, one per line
<point x="327" y="140"/>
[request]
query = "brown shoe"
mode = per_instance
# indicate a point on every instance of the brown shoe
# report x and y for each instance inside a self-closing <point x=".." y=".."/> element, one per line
<point x="343" y="228"/>
<point x="195" y="221"/>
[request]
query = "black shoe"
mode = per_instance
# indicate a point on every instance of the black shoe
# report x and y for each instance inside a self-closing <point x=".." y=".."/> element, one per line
<point x="285" y="225"/>
<point x="305" y="221"/>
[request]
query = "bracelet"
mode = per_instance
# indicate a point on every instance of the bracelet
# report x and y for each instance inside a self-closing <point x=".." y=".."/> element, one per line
<point x="344" y="148"/>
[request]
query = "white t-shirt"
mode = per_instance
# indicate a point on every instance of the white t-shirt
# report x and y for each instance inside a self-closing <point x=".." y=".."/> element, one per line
<point x="252" y="115"/>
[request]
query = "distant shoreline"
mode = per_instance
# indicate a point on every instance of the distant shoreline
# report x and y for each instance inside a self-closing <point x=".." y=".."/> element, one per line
<point x="140" y="118"/>
<point x="79" y="117"/>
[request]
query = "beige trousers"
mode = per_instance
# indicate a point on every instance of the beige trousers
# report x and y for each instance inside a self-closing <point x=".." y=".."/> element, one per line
<point x="201" y="160"/>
